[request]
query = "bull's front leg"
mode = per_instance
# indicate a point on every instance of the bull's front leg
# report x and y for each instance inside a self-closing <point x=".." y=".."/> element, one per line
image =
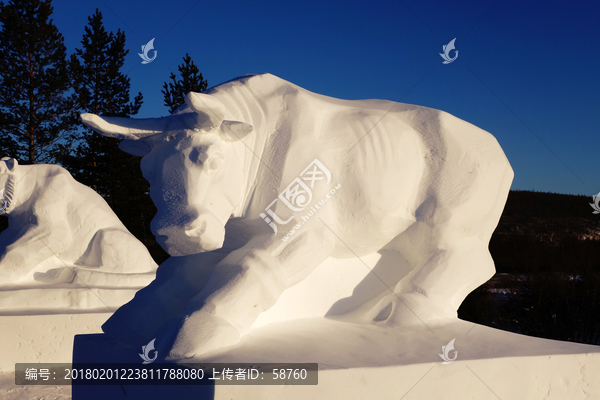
<point x="247" y="282"/>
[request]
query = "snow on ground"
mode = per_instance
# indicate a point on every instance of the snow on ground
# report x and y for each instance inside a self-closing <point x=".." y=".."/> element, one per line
<point x="40" y="339"/>
<point x="8" y="390"/>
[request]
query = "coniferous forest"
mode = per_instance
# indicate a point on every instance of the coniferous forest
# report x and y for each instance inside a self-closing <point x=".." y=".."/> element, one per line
<point x="547" y="284"/>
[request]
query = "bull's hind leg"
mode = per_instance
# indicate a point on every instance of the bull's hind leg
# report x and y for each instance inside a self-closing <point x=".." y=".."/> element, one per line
<point x="437" y="288"/>
<point x="450" y="252"/>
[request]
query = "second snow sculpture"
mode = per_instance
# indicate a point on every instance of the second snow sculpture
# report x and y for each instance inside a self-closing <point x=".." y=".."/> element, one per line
<point x="62" y="240"/>
<point x="280" y="179"/>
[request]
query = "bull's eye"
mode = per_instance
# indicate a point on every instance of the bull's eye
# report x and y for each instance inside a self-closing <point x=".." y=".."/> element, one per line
<point x="209" y="157"/>
<point x="198" y="155"/>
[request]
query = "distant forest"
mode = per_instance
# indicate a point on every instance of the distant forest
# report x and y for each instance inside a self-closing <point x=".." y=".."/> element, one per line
<point x="547" y="284"/>
<point x="547" y="254"/>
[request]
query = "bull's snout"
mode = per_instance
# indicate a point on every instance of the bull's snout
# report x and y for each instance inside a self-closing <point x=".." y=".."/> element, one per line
<point x="208" y="230"/>
<point x="203" y="233"/>
<point x="197" y="228"/>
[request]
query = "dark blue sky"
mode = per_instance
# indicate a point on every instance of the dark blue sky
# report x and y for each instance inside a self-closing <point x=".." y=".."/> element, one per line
<point x="527" y="71"/>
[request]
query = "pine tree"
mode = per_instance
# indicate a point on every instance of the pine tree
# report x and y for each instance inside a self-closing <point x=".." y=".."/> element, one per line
<point x="36" y="107"/>
<point x="96" y="161"/>
<point x="191" y="81"/>
<point x="103" y="90"/>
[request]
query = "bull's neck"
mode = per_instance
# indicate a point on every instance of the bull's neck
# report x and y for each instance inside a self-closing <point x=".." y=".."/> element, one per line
<point x="252" y="103"/>
<point x="250" y="150"/>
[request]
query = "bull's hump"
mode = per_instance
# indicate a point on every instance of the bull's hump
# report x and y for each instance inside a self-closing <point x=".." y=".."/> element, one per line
<point x="241" y="80"/>
<point x="236" y="79"/>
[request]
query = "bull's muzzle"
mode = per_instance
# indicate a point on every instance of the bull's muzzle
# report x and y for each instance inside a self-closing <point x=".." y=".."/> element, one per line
<point x="203" y="233"/>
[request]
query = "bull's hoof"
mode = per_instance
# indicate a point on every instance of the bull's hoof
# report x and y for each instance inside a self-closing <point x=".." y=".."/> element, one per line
<point x="200" y="333"/>
<point x="406" y="309"/>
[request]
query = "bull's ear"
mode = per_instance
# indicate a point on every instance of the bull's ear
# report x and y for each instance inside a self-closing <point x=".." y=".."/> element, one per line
<point x="135" y="147"/>
<point x="10" y="164"/>
<point x="233" y="131"/>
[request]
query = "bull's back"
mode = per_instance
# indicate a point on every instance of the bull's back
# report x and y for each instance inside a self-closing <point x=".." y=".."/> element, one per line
<point x="398" y="162"/>
<point x="376" y="157"/>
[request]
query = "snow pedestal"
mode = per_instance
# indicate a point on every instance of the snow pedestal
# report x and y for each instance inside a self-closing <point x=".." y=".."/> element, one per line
<point x="358" y="362"/>
<point x="366" y="361"/>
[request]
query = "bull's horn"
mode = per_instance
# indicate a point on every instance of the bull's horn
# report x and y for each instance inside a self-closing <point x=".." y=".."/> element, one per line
<point x="207" y="104"/>
<point x="133" y="129"/>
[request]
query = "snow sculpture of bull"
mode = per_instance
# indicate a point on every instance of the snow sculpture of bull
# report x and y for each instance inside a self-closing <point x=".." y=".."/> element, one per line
<point x="60" y="230"/>
<point x="250" y="167"/>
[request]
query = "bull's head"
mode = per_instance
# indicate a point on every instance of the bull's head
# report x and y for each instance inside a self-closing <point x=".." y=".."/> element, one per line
<point x="194" y="167"/>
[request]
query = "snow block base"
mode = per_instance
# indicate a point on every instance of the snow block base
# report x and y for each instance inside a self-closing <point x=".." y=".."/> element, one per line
<point x="99" y="348"/>
<point x="365" y="361"/>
